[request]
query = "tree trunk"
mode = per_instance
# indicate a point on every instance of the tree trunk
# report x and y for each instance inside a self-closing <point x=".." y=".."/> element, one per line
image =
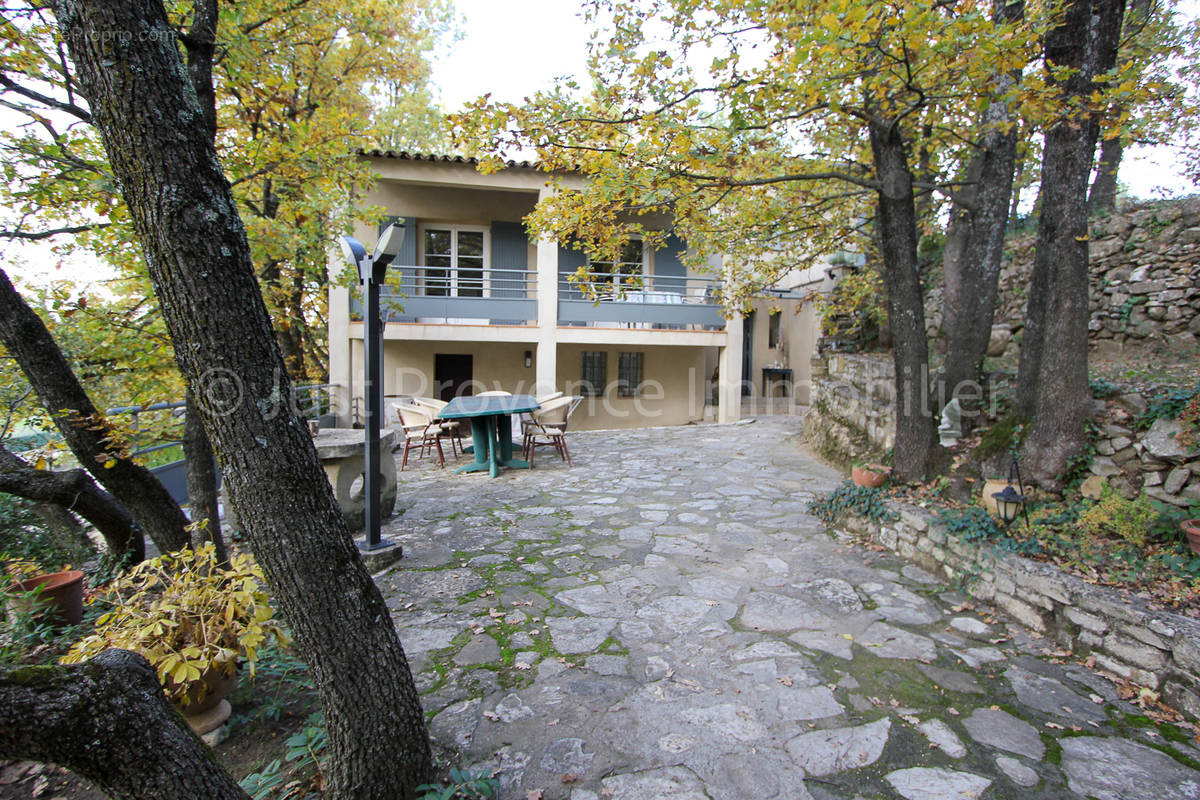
<point x="1103" y="195"/>
<point x="200" y="264"/>
<point x="201" y="467"/>
<point x="75" y="491"/>
<point x="913" y="454"/>
<point x="108" y="721"/>
<point x="974" y="251"/>
<point x="1052" y="384"/>
<point x="86" y="431"/>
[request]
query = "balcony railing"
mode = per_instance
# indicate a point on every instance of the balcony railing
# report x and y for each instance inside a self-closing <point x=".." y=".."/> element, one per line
<point x="497" y="296"/>
<point x="641" y="301"/>
<point x="493" y="296"/>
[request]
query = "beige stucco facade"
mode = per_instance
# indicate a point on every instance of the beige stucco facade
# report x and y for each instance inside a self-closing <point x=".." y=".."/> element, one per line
<point x="532" y="338"/>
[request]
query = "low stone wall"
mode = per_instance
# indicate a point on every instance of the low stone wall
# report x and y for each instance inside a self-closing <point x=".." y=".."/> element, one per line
<point x="853" y="408"/>
<point x="1152" y="648"/>
<point x="1153" y="461"/>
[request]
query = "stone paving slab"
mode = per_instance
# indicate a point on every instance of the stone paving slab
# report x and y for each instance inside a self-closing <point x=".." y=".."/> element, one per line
<point x="666" y="621"/>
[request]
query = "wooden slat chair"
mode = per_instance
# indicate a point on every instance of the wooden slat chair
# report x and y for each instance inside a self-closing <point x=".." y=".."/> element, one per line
<point x="419" y="431"/>
<point x="451" y="429"/>
<point x="549" y="428"/>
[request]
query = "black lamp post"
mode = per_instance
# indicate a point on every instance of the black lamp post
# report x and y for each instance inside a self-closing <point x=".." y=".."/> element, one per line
<point x="371" y="272"/>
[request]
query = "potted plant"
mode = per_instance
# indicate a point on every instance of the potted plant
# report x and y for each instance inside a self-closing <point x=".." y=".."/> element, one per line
<point x="1191" y="529"/>
<point x="55" y="596"/>
<point x="193" y="619"/>
<point x="869" y="475"/>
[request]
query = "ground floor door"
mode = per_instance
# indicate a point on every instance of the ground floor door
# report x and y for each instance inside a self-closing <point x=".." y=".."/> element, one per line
<point x="451" y="375"/>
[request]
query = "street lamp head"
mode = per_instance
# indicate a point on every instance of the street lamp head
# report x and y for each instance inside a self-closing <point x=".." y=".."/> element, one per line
<point x="388" y="246"/>
<point x="354" y="252"/>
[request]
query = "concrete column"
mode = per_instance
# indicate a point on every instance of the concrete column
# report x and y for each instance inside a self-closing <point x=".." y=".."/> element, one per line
<point x="729" y="385"/>
<point x="546" y="378"/>
<point x="340" y="362"/>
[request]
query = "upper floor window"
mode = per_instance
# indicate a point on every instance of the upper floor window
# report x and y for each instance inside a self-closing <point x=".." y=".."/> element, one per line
<point x="453" y="260"/>
<point x="610" y="278"/>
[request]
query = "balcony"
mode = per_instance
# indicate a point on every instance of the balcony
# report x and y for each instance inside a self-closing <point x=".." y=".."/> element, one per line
<point x="497" y="296"/>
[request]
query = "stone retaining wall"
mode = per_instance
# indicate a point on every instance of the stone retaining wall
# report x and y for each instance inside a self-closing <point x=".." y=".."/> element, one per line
<point x="853" y="409"/>
<point x="1153" y="461"/>
<point x="1145" y="277"/>
<point x="1152" y="648"/>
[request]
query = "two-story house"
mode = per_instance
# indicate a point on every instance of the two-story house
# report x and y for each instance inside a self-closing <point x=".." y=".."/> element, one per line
<point x="479" y="305"/>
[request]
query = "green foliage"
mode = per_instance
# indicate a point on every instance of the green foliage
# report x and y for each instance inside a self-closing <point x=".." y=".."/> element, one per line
<point x="289" y="678"/>
<point x="849" y="498"/>
<point x="303" y="754"/>
<point x="1079" y="465"/>
<point x="971" y="524"/>
<point x="1126" y="309"/>
<point x="24" y="536"/>
<point x="1116" y="517"/>
<point x="261" y="785"/>
<point x="463" y="785"/>
<point x="856" y="307"/>
<point x="1169" y="406"/>
<point x="1103" y="389"/>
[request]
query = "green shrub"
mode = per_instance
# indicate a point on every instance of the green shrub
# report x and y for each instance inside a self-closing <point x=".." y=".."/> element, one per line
<point x="849" y="498"/>
<point x="1115" y="517"/>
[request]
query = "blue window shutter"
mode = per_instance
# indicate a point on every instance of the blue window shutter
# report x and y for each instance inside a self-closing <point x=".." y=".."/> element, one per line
<point x="510" y="250"/>
<point x="669" y="273"/>
<point x="569" y="260"/>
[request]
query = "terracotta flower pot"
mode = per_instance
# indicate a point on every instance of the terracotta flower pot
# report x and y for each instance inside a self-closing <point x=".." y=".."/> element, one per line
<point x="61" y="596"/>
<point x="872" y="476"/>
<point x="208" y="690"/>
<point x="1191" y="529"/>
<point x="990" y="487"/>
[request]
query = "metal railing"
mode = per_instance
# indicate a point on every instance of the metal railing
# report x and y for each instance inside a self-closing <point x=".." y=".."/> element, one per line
<point x="642" y="301"/>
<point x="493" y="295"/>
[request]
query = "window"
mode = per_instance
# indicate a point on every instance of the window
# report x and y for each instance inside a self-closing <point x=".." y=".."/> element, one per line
<point x="614" y="278"/>
<point x="629" y="374"/>
<point x="595" y="372"/>
<point x="453" y="261"/>
<point x="773" y="329"/>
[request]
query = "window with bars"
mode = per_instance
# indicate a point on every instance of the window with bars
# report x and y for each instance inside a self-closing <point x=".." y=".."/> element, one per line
<point x="595" y="373"/>
<point x="629" y="374"/>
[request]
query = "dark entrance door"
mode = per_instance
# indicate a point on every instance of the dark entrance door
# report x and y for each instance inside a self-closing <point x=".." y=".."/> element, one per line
<point x="451" y="375"/>
<point x="747" y="352"/>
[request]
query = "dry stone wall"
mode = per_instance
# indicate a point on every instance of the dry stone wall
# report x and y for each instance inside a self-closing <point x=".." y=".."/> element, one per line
<point x="1145" y="277"/>
<point x="1148" y="646"/>
<point x="853" y="409"/>
<point x="1154" y="461"/>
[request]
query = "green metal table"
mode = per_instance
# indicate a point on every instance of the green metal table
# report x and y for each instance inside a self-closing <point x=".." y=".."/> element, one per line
<point x="491" y="428"/>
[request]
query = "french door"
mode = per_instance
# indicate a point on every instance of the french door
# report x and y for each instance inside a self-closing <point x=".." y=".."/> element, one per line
<point x="454" y="261"/>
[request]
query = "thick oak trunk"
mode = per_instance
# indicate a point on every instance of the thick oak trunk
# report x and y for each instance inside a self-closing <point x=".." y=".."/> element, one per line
<point x="974" y="250"/>
<point x="1052" y="383"/>
<point x="85" y="430"/>
<point x="199" y="262"/>
<point x="108" y="721"/>
<point x="74" y="490"/>
<point x="913" y="454"/>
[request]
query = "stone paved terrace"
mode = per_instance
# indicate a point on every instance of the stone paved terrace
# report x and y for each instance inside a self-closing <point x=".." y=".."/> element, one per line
<point x="666" y="621"/>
